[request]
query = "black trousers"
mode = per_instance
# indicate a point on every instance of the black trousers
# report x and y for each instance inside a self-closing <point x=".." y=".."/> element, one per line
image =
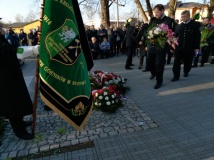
<point x="156" y="62"/>
<point x="169" y="57"/>
<point x="117" y="47"/>
<point x="131" y="51"/>
<point x="205" y="54"/>
<point x="17" y="125"/>
<point x="185" y="55"/>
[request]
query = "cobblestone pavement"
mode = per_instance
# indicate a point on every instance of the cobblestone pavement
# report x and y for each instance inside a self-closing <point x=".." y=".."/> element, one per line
<point x="183" y="110"/>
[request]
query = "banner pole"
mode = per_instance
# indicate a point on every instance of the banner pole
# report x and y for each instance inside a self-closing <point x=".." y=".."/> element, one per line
<point x="36" y="84"/>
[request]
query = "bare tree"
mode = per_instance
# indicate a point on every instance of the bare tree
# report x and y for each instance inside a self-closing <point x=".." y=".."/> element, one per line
<point x="172" y="7"/>
<point x="140" y="8"/>
<point x="149" y="8"/>
<point x="31" y="16"/>
<point x="89" y="7"/>
<point x="105" y="12"/>
<point x="19" y="18"/>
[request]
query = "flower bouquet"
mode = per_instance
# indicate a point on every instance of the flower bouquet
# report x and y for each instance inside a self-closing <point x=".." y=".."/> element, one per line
<point x="159" y="35"/>
<point x="206" y="36"/>
<point x="110" y="79"/>
<point x="94" y="83"/>
<point x="107" y="90"/>
<point x="106" y="100"/>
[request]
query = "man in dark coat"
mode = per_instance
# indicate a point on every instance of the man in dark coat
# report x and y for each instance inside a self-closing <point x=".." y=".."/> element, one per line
<point x="15" y="99"/>
<point x="189" y="36"/>
<point x="157" y="56"/>
<point x="23" y="38"/>
<point x="131" y="43"/>
<point x="101" y="33"/>
<point x="94" y="47"/>
<point x="205" y="50"/>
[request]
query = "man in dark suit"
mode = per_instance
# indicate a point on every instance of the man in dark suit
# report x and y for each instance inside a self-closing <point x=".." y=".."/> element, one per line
<point x="131" y="43"/>
<point x="189" y="35"/>
<point x="205" y="50"/>
<point x="95" y="48"/>
<point x="157" y="56"/>
<point x="15" y="99"/>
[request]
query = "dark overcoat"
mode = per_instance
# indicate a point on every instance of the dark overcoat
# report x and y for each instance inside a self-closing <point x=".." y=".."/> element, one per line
<point x="14" y="96"/>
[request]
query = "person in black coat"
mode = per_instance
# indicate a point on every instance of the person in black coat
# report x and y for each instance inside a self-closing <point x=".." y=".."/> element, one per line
<point x="101" y="33"/>
<point x="189" y="36"/>
<point x="23" y="38"/>
<point x="205" y="50"/>
<point x="88" y="33"/>
<point x="141" y="37"/>
<point x="93" y="32"/>
<point x="15" y="99"/>
<point x="157" y="56"/>
<point x="95" y="48"/>
<point x="131" y="43"/>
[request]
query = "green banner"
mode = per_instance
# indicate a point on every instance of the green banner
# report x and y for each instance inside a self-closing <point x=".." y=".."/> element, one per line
<point x="65" y="85"/>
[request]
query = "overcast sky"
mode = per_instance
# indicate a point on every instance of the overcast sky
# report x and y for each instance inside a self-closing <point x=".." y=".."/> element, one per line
<point x="9" y="8"/>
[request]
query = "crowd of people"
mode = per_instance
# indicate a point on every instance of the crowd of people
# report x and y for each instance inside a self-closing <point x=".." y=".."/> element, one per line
<point x="132" y="40"/>
<point x="104" y="42"/>
<point x="22" y="38"/>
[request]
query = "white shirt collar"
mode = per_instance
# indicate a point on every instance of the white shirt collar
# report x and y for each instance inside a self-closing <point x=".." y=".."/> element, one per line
<point x="187" y="22"/>
<point x="163" y="16"/>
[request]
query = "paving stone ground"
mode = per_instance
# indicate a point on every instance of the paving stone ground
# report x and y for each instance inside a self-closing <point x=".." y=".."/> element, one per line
<point x="178" y="120"/>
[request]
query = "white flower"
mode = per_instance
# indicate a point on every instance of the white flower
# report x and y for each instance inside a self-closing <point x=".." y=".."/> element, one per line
<point x="108" y="103"/>
<point x="106" y="82"/>
<point x="157" y="31"/>
<point x="150" y="32"/>
<point x="150" y="36"/>
<point x="123" y="80"/>
<point x="112" y="96"/>
<point x="110" y="81"/>
<point x="100" y="97"/>
<point x="99" y="104"/>
<point x="96" y="95"/>
<point x="118" y="79"/>
<point x="105" y="93"/>
<point x="112" y="102"/>
<point x="106" y="98"/>
<point x="96" y="103"/>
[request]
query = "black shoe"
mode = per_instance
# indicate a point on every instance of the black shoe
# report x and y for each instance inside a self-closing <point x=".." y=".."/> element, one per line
<point x="132" y="65"/>
<point x="202" y="65"/>
<point x="27" y="123"/>
<point x="152" y="77"/>
<point x="145" y="70"/>
<point x="174" y="79"/>
<point x="128" y="68"/>
<point x="46" y="108"/>
<point x="157" y="86"/>
<point x="186" y="75"/>
<point x="139" y="67"/>
<point x="26" y="136"/>
<point x="194" y="66"/>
